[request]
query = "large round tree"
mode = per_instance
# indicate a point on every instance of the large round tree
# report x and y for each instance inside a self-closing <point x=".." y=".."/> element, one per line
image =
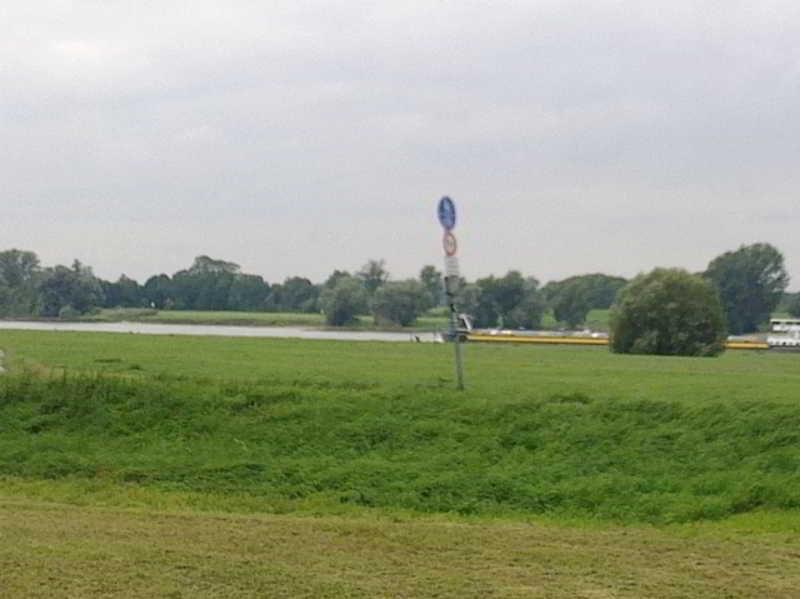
<point x="668" y="312"/>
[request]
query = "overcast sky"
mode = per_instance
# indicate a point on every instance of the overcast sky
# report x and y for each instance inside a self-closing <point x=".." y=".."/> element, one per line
<point x="298" y="137"/>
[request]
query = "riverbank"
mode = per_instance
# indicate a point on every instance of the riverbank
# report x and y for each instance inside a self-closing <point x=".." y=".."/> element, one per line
<point x="359" y="468"/>
<point x="215" y="330"/>
<point x="428" y="322"/>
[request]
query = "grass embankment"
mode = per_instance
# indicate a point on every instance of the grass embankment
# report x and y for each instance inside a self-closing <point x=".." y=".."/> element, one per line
<point x="415" y="489"/>
<point x="318" y="426"/>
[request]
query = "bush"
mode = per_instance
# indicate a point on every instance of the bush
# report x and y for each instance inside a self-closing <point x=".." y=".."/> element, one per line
<point x="399" y="303"/>
<point x="668" y="312"/>
<point x="342" y="302"/>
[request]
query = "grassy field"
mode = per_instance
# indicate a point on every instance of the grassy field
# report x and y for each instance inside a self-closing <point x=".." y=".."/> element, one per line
<point x="596" y="320"/>
<point x="207" y="317"/>
<point x="560" y="471"/>
<point x="67" y="551"/>
<point x="436" y="319"/>
<point x="426" y="322"/>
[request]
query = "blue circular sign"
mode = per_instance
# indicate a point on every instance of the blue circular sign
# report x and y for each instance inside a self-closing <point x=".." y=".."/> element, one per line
<point x="447" y="213"/>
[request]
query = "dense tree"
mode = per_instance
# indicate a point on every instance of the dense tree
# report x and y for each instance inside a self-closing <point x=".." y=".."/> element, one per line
<point x="18" y="267"/>
<point x="468" y="299"/>
<point x="5" y="297"/>
<point x="485" y="312"/>
<point x="433" y="284"/>
<point x="571" y="303"/>
<point x="158" y="293"/>
<point x="19" y="272"/>
<point x="787" y="300"/>
<point x="201" y="289"/>
<point x="498" y="297"/>
<point x="185" y="289"/>
<point x="668" y="312"/>
<point x="510" y="301"/>
<point x="74" y="289"/>
<point x="334" y="277"/>
<point x="572" y="298"/>
<point x="205" y="285"/>
<point x="505" y="292"/>
<point x="751" y="282"/>
<point x="124" y="293"/>
<point x="528" y="312"/>
<point x="343" y="302"/>
<point x="205" y="264"/>
<point x="296" y="294"/>
<point x="248" y="293"/>
<point x="601" y="289"/>
<point x="399" y="303"/>
<point x="794" y="305"/>
<point x="373" y="275"/>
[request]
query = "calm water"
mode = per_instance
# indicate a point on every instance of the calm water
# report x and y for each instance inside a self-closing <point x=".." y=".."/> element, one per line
<point x="217" y="330"/>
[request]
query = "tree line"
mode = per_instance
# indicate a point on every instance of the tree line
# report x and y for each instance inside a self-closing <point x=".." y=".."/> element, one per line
<point x="750" y="283"/>
<point x="513" y="300"/>
<point x="673" y="312"/>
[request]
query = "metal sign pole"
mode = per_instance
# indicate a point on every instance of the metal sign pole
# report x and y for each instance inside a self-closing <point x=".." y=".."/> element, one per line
<point x="446" y="212"/>
<point x="455" y="336"/>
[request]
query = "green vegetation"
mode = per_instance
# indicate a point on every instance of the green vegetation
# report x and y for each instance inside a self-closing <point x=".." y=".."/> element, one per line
<point x="51" y="550"/>
<point x="206" y="317"/>
<point x="794" y="306"/>
<point x="668" y="312"/>
<point x="751" y="282"/>
<point x="325" y="426"/>
<point x="596" y="320"/>
<point x="431" y="321"/>
<point x="400" y="302"/>
<point x="573" y="298"/>
<point x="510" y="301"/>
<point x="343" y="301"/>
<point x="133" y="465"/>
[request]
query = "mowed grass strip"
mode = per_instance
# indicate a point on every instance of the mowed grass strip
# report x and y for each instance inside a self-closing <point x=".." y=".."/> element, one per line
<point x="82" y="552"/>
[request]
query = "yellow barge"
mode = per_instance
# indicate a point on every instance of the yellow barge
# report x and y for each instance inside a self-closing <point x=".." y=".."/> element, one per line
<point x="560" y="340"/>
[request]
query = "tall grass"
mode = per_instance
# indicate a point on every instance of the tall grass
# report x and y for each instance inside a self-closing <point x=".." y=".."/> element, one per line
<point x="427" y="449"/>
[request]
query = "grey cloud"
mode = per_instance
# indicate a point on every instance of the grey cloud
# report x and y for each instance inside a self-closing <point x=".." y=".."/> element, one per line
<point x="301" y="137"/>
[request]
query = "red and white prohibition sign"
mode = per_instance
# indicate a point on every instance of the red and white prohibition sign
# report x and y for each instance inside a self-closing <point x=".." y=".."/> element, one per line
<point x="449" y="244"/>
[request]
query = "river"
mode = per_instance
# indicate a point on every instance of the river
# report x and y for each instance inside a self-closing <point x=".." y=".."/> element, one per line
<point x="212" y="330"/>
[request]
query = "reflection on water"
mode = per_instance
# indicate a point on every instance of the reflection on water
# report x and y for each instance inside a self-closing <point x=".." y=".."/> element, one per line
<point x="217" y="330"/>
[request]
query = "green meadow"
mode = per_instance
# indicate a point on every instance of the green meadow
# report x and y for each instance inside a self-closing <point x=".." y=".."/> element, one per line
<point x="629" y="467"/>
<point x="435" y="319"/>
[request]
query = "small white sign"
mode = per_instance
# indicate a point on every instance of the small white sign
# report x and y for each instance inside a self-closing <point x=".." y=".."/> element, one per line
<point x="451" y="268"/>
